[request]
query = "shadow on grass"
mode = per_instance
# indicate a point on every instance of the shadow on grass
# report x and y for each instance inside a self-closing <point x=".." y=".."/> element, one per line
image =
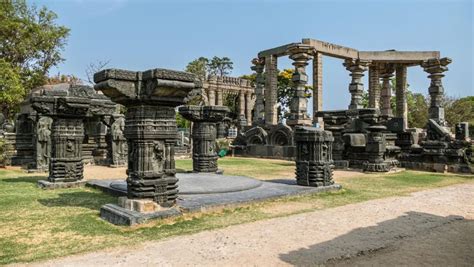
<point x="24" y="179"/>
<point x="89" y="200"/>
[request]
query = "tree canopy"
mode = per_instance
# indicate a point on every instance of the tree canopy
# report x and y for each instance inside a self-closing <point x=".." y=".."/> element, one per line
<point x="30" y="42"/>
<point x="204" y="67"/>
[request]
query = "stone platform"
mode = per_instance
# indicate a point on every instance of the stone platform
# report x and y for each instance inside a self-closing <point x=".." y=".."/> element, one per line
<point x="44" y="184"/>
<point x="200" y="192"/>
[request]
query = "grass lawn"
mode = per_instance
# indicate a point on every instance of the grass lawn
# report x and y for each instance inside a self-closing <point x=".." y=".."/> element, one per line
<point x="37" y="224"/>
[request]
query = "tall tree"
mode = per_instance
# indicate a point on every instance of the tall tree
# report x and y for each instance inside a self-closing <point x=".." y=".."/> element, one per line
<point x="199" y="66"/>
<point x="11" y="90"/>
<point x="30" y="40"/>
<point x="459" y="110"/>
<point x="220" y="66"/>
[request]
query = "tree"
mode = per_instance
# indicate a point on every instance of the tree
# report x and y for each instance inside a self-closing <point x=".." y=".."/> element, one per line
<point x="220" y="66"/>
<point x="11" y="90"/>
<point x="30" y="42"/>
<point x="62" y="78"/>
<point x="459" y="110"/>
<point x="199" y="67"/>
<point x="93" y="68"/>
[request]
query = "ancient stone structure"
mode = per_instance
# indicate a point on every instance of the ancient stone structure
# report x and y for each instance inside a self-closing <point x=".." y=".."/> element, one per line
<point x="118" y="142"/>
<point x="362" y="135"/>
<point x="60" y="128"/>
<point x="237" y="90"/>
<point x="150" y="129"/>
<point x="204" y="134"/>
<point x="31" y="140"/>
<point x="314" y="162"/>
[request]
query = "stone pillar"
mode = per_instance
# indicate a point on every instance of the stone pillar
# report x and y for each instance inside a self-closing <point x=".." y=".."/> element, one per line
<point x="401" y="94"/>
<point x="356" y="87"/>
<point x="241" y="103"/>
<point x="386" y="95"/>
<point x="212" y="97"/>
<point x="248" y="108"/>
<point x="300" y="54"/>
<point x="220" y="97"/>
<point x="66" y="158"/>
<point x="314" y="164"/>
<point x="271" y="90"/>
<point x="375" y="149"/>
<point x="150" y="128"/>
<point x="435" y="67"/>
<point x="204" y="135"/>
<point x="374" y="87"/>
<point x="259" y="108"/>
<point x="317" y="87"/>
<point x="118" y="142"/>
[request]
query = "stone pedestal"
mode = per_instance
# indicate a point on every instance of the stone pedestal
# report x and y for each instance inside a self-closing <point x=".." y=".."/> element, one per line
<point x="204" y="134"/>
<point x="314" y="162"/>
<point x="375" y="148"/>
<point x="150" y="126"/>
<point x="300" y="54"/>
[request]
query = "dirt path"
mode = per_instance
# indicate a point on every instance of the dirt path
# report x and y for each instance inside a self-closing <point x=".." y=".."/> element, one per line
<point x="434" y="227"/>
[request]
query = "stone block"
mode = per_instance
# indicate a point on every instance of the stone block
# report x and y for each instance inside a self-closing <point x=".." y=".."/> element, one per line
<point x="44" y="184"/>
<point x="139" y="205"/>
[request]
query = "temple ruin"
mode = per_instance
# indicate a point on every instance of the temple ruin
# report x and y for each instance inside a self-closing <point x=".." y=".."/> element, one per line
<point x="372" y="138"/>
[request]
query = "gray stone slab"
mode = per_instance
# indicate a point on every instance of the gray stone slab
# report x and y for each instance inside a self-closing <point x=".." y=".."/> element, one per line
<point x="204" y="201"/>
<point x="44" y="184"/>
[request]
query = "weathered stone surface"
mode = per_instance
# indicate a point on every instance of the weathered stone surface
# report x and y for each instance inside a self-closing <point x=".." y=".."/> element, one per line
<point x="118" y="142"/>
<point x="259" y="108"/>
<point x="44" y="184"/>
<point x="314" y="162"/>
<point x="150" y="126"/>
<point x="204" y="134"/>
<point x="356" y="87"/>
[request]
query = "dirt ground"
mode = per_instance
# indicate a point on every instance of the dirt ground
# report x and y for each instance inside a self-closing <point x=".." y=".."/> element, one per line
<point x="100" y="172"/>
<point x="433" y="227"/>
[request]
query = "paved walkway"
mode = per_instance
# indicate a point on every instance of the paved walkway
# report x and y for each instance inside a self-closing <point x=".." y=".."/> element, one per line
<point x="434" y="227"/>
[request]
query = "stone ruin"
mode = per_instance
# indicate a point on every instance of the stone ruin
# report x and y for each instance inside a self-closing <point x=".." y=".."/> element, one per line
<point x="204" y="134"/>
<point x="150" y="129"/>
<point x="31" y="140"/>
<point x="372" y="138"/>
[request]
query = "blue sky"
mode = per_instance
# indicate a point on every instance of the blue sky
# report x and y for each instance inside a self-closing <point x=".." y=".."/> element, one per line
<point x="140" y="35"/>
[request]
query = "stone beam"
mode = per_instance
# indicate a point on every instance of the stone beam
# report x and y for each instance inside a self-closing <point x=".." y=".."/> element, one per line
<point x="398" y="56"/>
<point x="277" y="51"/>
<point x="332" y="50"/>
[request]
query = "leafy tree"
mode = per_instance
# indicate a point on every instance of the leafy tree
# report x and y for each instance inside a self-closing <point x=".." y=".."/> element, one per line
<point x="31" y="42"/>
<point x="11" y="90"/>
<point x="199" y="67"/>
<point x="182" y="122"/>
<point x="459" y="110"/>
<point x="220" y="66"/>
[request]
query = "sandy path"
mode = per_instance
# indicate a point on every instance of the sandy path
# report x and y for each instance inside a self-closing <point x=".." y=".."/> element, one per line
<point x="430" y="227"/>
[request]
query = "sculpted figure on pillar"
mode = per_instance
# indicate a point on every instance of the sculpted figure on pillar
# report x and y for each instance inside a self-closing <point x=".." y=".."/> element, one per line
<point x="119" y="142"/>
<point x="43" y="145"/>
<point x="357" y="68"/>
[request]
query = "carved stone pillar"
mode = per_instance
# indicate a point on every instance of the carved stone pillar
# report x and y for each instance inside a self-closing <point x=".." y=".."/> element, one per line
<point x="248" y="108"/>
<point x="314" y="164"/>
<point x="241" y="103"/>
<point x="374" y="86"/>
<point x="436" y="67"/>
<point x="401" y="94"/>
<point x="259" y="109"/>
<point x="212" y="97"/>
<point x="118" y="142"/>
<point x="150" y="127"/>
<point x="204" y="134"/>
<point x="317" y="87"/>
<point x="300" y="54"/>
<point x="271" y="90"/>
<point x="375" y="149"/>
<point x="220" y="97"/>
<point x="386" y="95"/>
<point x="356" y="87"/>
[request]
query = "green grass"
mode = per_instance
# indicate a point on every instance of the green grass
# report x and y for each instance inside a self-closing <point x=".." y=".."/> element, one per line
<point x="39" y="224"/>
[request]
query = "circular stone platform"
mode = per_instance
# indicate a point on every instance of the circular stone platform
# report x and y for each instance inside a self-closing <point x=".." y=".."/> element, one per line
<point x="205" y="183"/>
